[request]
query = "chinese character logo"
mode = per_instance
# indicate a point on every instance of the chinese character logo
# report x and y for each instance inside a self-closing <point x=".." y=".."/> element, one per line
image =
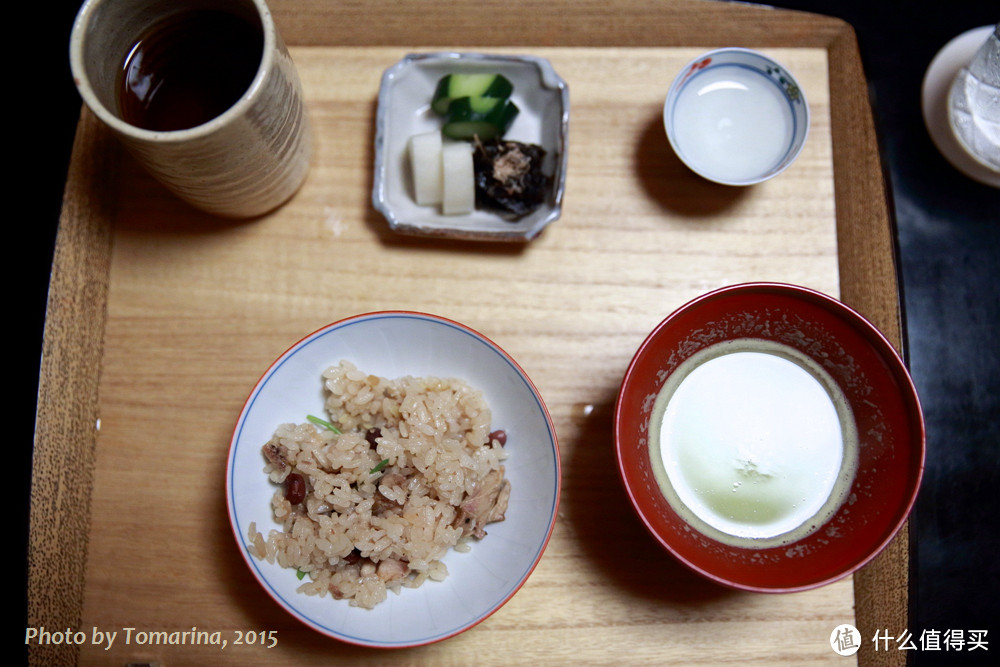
<point x="845" y="639"/>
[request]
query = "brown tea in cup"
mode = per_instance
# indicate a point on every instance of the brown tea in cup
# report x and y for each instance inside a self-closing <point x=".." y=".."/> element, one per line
<point x="189" y="68"/>
<point x="202" y="93"/>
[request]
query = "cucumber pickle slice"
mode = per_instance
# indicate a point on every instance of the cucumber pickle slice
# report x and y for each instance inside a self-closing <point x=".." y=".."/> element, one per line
<point x="483" y="117"/>
<point x="455" y="86"/>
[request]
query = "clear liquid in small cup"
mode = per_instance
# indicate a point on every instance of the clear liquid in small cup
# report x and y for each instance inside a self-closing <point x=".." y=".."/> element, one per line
<point x="733" y="123"/>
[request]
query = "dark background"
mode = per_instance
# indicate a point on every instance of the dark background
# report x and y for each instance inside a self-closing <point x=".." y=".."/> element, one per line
<point x="948" y="237"/>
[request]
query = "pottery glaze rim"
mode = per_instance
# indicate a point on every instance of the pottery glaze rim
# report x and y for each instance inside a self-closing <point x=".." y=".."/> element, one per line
<point x="78" y="66"/>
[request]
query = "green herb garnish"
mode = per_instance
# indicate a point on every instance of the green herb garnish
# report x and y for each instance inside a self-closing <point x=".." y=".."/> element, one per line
<point x="325" y="424"/>
<point x="380" y="467"/>
<point x="300" y="574"/>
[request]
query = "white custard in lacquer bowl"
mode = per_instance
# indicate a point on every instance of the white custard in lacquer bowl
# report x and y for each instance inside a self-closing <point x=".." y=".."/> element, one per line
<point x="753" y="443"/>
<point x="769" y="437"/>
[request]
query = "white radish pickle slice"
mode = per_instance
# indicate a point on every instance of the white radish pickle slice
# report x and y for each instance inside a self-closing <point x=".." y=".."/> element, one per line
<point x="425" y="166"/>
<point x="458" y="179"/>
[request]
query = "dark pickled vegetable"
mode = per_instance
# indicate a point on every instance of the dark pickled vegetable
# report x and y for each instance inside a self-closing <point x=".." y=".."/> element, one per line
<point x="509" y="177"/>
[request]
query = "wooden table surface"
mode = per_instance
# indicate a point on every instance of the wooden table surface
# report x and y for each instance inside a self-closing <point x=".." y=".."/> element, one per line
<point x="161" y="319"/>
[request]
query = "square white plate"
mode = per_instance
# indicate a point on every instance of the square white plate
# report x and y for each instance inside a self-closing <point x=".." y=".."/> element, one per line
<point x="404" y="110"/>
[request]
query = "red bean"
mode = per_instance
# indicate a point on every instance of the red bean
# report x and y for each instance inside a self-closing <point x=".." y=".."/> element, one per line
<point x="500" y="436"/>
<point x="295" y="488"/>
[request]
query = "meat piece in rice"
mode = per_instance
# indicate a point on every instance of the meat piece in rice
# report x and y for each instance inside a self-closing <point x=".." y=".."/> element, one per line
<point x="487" y="504"/>
<point x="413" y="473"/>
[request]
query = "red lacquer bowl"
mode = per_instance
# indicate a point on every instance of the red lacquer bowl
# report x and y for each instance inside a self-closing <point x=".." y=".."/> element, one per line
<point x="885" y="407"/>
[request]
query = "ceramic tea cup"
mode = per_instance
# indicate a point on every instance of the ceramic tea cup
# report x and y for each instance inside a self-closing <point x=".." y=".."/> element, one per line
<point x="736" y="117"/>
<point x="153" y="71"/>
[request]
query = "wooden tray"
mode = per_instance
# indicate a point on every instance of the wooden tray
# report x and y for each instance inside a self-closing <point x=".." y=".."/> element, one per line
<point x="161" y="319"/>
